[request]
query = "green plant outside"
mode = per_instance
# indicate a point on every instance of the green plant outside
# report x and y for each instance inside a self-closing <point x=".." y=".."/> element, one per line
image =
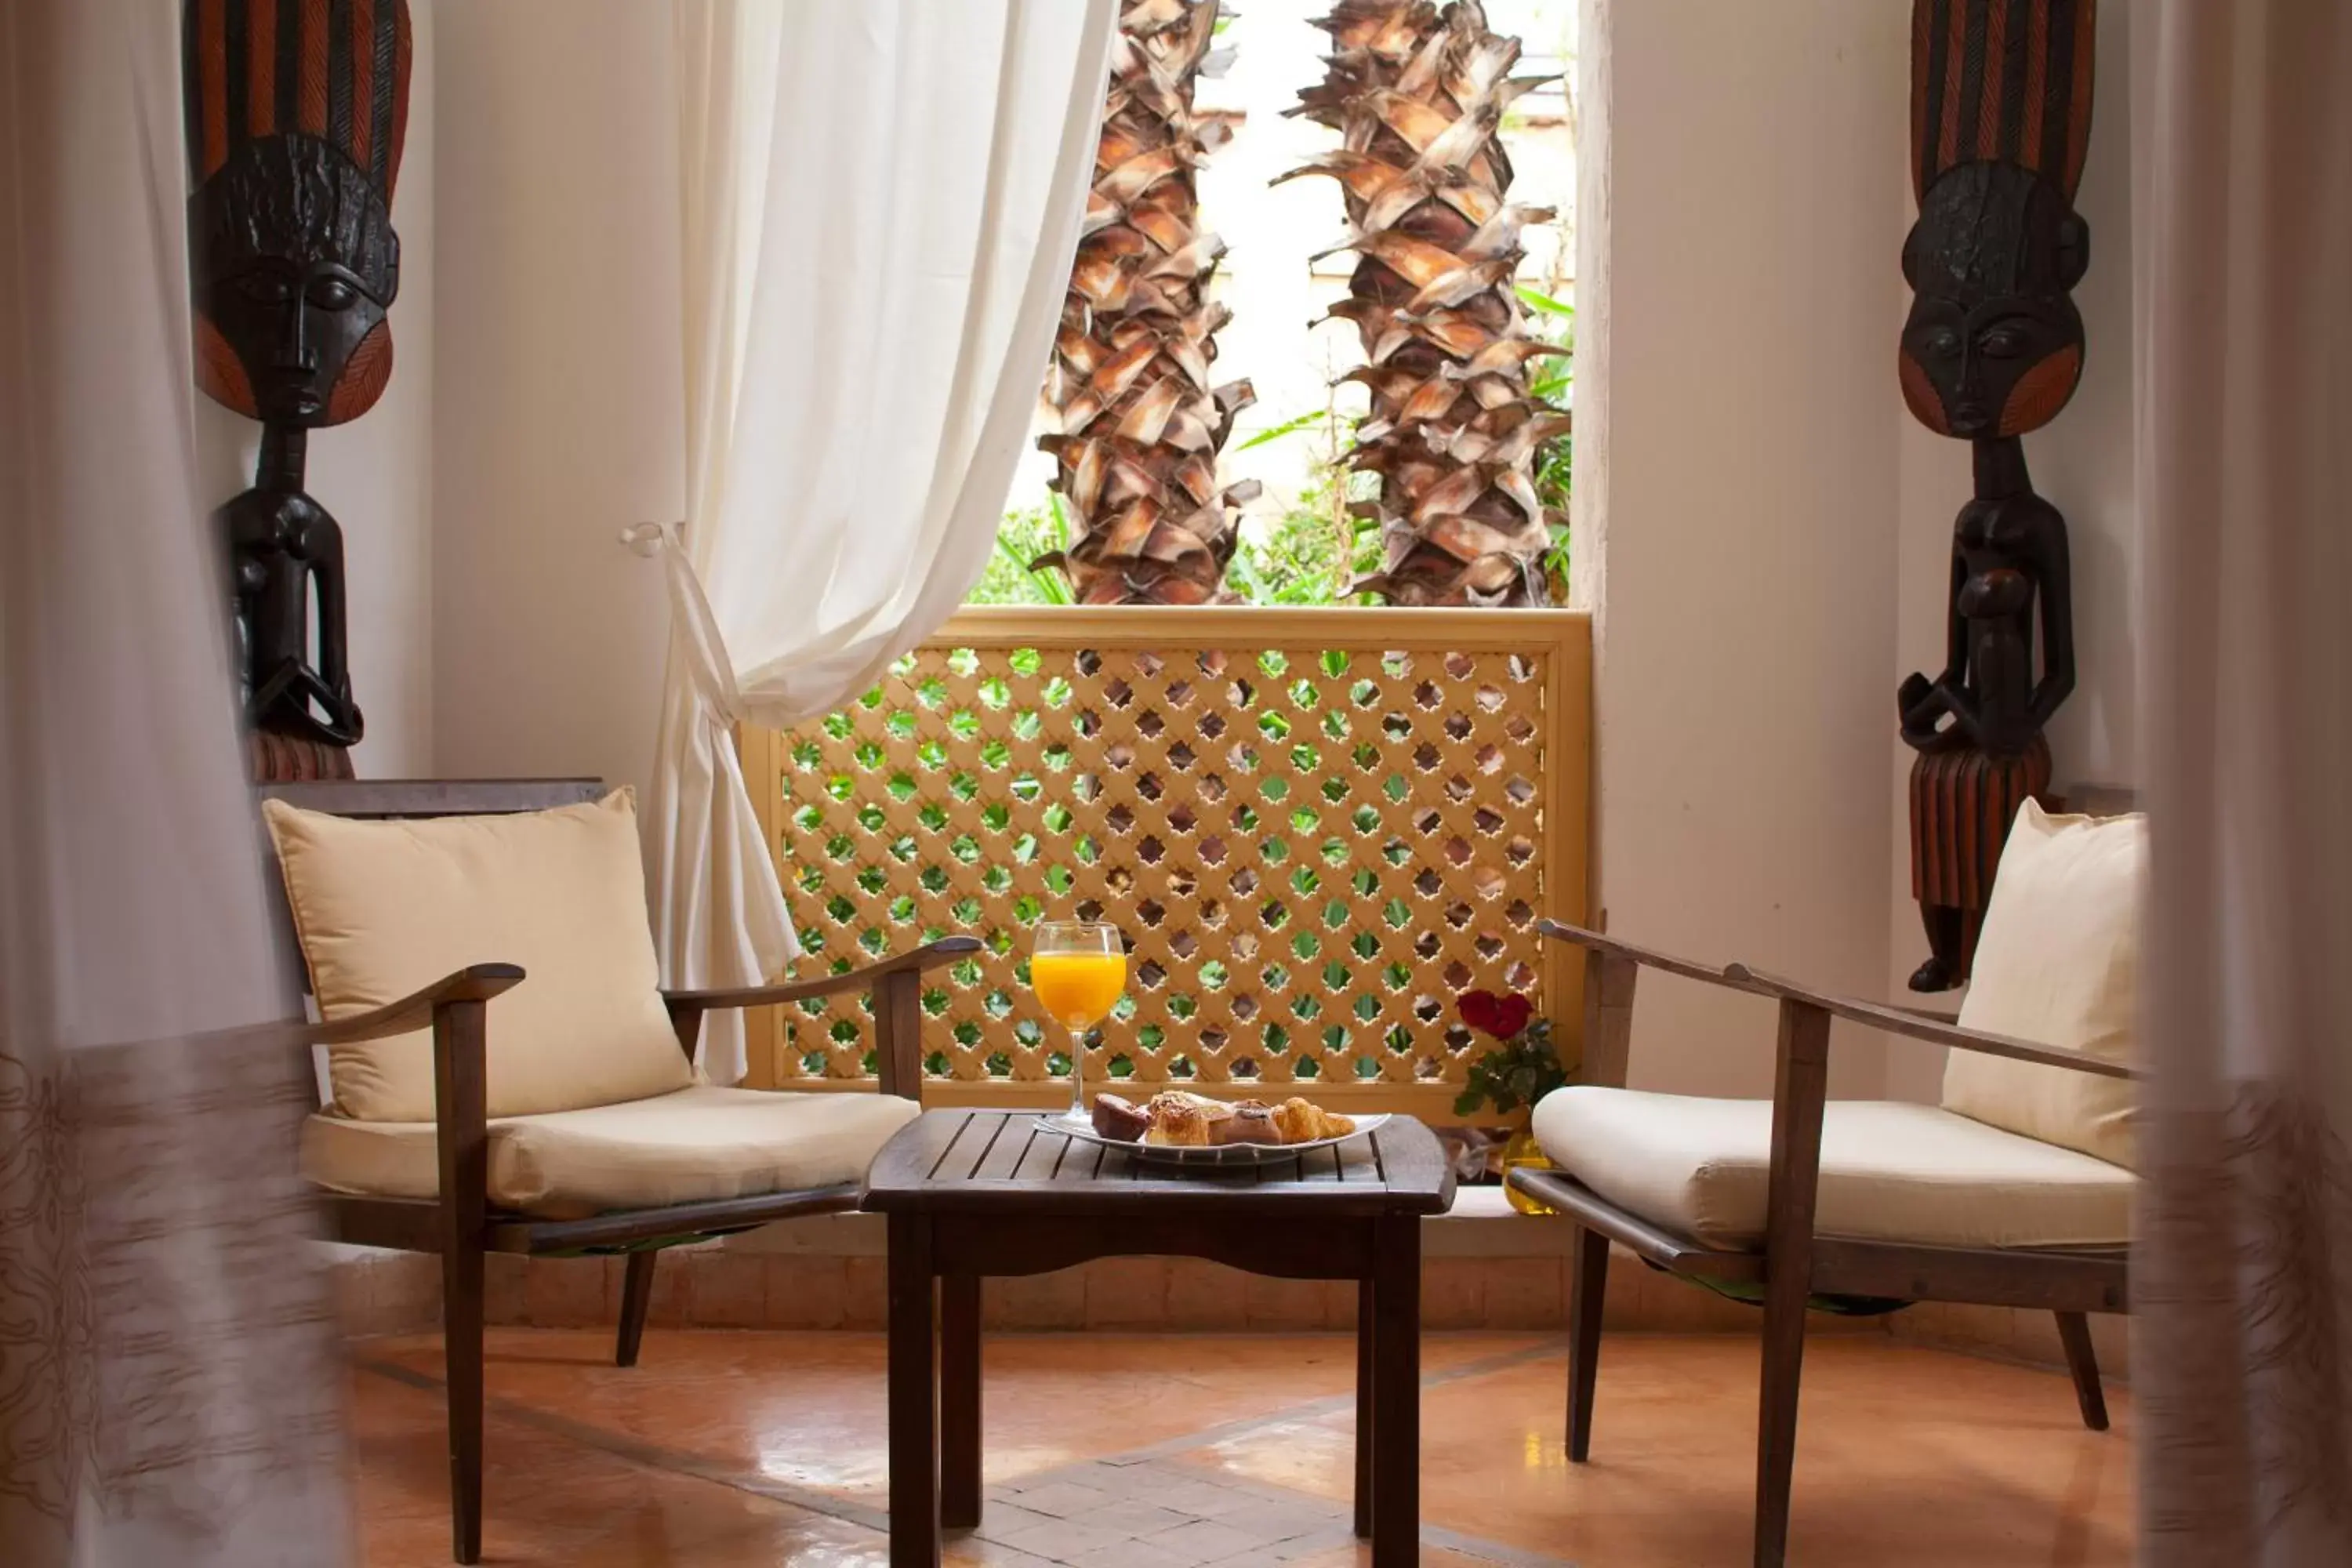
<point x="1553" y="381"/>
<point x="1023" y="536"/>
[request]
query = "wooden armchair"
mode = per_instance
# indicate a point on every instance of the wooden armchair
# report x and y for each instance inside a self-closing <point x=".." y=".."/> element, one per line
<point x="1800" y="1196"/>
<point x="1790" y="1263"/>
<point x="459" y="1220"/>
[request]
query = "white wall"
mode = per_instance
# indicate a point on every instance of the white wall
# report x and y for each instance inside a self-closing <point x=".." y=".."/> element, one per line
<point x="376" y="474"/>
<point x="1763" y="529"/>
<point x="1745" y="248"/>
<point x="2083" y="463"/>
<point x="558" y="419"/>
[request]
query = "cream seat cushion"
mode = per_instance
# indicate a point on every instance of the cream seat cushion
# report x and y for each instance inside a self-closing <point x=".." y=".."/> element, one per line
<point x="385" y="909"/>
<point x="1891" y="1171"/>
<point x="698" y="1144"/>
<point x="2058" y="963"/>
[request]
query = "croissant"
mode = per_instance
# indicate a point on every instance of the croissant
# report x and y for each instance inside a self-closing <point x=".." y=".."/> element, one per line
<point x="1301" y="1121"/>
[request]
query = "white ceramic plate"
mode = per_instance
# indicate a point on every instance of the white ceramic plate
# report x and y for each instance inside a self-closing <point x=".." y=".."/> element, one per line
<point x="1226" y="1154"/>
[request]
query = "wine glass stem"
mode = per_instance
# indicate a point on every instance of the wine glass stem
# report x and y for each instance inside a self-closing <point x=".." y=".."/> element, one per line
<point x="1078" y="1112"/>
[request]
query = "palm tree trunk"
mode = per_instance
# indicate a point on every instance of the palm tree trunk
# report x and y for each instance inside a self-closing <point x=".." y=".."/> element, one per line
<point x="1140" y="426"/>
<point x="1418" y="95"/>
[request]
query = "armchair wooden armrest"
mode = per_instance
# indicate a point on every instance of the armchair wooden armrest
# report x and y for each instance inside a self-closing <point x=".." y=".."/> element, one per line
<point x="946" y="950"/>
<point x="1611" y="970"/>
<point x="1604" y="946"/>
<point x="475" y="983"/>
<point x="457" y="1005"/>
<point x="895" y="983"/>
<point x="1935" y="1031"/>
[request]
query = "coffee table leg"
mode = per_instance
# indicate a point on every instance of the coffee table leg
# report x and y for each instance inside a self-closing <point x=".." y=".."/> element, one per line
<point x="914" y="1398"/>
<point x="1396" y="1393"/>
<point x="1365" y="1331"/>
<point x="960" y="1401"/>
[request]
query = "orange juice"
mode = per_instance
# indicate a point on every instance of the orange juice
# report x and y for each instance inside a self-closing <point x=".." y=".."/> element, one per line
<point x="1077" y="989"/>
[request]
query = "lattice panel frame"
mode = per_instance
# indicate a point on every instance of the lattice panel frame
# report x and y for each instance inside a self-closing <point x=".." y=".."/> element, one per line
<point x="1316" y="827"/>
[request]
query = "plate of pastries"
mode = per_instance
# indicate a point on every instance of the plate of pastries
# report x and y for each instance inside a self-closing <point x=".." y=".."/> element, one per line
<point x="1176" y="1127"/>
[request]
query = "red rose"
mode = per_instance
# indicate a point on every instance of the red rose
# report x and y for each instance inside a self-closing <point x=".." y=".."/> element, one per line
<point x="1501" y="1016"/>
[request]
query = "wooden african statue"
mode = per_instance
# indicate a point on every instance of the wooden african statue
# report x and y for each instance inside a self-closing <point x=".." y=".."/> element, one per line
<point x="297" y="111"/>
<point x="2000" y="114"/>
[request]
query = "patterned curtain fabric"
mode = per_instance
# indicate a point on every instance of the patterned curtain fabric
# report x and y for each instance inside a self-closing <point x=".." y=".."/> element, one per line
<point x="169" y="1392"/>
<point x="857" y="387"/>
<point x="2242" y="1283"/>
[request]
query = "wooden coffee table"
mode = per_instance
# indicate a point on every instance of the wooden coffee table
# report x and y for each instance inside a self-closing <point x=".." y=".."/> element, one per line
<point x="977" y="1193"/>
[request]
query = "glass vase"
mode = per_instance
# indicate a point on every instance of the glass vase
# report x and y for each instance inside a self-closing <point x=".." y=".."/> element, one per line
<point x="1521" y="1149"/>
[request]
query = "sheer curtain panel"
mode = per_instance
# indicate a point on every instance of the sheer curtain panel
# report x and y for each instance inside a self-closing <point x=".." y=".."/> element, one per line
<point x="880" y="202"/>
<point x="2241" y="1287"/>
<point x="169" y="1387"/>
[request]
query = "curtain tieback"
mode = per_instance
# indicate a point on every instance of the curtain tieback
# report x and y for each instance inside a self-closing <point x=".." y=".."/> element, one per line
<point x="693" y="628"/>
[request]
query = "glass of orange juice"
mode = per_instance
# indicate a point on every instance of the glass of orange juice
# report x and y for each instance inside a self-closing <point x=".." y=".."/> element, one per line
<point x="1078" y="969"/>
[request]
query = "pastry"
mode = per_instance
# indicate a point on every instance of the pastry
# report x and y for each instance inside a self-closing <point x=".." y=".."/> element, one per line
<point x="1173" y="1119"/>
<point x="1120" y="1119"/>
<point x="1252" y="1122"/>
<point x="1302" y="1122"/>
<point x="1184" y="1120"/>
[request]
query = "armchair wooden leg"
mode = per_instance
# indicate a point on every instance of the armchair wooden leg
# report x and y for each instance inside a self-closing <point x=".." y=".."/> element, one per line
<point x="461" y="1330"/>
<point x="2075" y="1333"/>
<point x="636" y="1296"/>
<point x="464" y="1183"/>
<point x="1587" y="1289"/>
<point x="1800" y="1092"/>
<point x="1776" y="1446"/>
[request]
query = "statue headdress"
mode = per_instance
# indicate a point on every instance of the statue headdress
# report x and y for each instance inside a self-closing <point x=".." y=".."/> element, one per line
<point x="297" y="114"/>
<point x="2002" y="81"/>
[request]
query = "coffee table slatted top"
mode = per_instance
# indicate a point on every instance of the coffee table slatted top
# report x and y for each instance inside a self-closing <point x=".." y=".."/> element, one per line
<point x="992" y="1161"/>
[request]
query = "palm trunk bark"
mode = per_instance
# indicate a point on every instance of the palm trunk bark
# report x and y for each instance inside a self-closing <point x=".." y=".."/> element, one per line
<point x="1455" y="434"/>
<point x="1140" y="426"/>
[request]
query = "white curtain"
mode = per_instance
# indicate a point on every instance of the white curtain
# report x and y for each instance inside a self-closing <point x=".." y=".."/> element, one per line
<point x="881" y="199"/>
<point x="2243" y="1284"/>
<point x="169" y="1387"/>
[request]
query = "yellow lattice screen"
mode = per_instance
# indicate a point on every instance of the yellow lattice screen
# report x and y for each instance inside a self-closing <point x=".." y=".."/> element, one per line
<point x="1315" y="828"/>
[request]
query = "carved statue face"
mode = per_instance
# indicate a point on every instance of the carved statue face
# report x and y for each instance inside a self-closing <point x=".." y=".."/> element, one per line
<point x="1993" y="345"/>
<point x="295" y="264"/>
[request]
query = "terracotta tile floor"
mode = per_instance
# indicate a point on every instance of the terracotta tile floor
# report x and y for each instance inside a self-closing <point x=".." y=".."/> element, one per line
<point x="725" y="1449"/>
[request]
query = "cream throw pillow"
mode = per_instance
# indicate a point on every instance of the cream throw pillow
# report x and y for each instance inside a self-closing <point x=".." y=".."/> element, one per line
<point x="2058" y="964"/>
<point x="385" y="909"/>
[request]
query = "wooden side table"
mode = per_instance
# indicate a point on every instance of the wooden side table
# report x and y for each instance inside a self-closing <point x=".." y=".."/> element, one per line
<point x="977" y="1193"/>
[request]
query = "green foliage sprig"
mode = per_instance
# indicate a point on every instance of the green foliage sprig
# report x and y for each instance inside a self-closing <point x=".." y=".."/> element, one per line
<point x="1021" y="537"/>
<point x="1521" y="1072"/>
<point x="1552" y="380"/>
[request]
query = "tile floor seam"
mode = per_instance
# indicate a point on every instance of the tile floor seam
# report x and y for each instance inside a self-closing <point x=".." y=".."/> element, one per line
<point x="655" y="1456"/>
<point x="1314" y="1523"/>
<point x="1086" y="1544"/>
<point x="1329" y="1404"/>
